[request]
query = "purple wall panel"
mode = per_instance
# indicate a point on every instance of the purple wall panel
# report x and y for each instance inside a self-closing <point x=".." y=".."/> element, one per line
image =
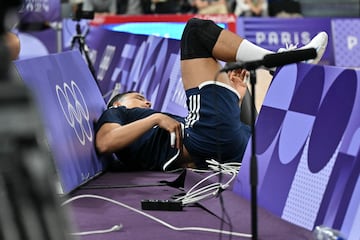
<point x="148" y="64"/>
<point x="308" y="148"/>
<point x="346" y="42"/>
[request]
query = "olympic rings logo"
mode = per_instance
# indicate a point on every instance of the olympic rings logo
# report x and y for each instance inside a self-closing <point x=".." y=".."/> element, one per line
<point x="75" y="110"/>
<point x="36" y="6"/>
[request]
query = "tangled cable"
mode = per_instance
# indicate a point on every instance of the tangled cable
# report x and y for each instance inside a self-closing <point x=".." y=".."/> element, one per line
<point x="197" y="193"/>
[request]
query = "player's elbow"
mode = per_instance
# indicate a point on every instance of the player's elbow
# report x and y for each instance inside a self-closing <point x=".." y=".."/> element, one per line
<point x="102" y="145"/>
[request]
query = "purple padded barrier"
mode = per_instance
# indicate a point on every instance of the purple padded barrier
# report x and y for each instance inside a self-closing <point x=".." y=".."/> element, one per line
<point x="69" y="102"/>
<point x="148" y="64"/>
<point x="308" y="140"/>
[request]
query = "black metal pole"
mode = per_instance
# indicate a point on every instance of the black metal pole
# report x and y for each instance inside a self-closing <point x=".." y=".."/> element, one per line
<point x="253" y="162"/>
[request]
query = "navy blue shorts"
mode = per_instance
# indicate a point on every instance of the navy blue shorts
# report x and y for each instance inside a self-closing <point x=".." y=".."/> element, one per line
<point x="213" y="129"/>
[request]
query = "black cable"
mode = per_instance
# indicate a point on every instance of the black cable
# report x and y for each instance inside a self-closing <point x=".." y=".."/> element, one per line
<point x="122" y="186"/>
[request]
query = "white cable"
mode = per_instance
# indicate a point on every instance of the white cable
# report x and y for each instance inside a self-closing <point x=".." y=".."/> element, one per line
<point x="112" y="229"/>
<point x="212" y="189"/>
<point x="194" y="199"/>
<point x="230" y="165"/>
<point x="191" y="192"/>
<point x="201" y="181"/>
<point x="245" y="235"/>
<point x="199" y="170"/>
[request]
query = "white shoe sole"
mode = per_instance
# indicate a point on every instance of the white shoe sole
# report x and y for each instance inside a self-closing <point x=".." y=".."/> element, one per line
<point x="319" y="42"/>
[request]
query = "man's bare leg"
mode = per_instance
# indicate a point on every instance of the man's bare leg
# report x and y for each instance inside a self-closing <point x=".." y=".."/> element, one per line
<point x="204" y="43"/>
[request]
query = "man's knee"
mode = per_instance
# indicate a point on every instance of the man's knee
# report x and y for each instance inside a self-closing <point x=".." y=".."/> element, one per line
<point x="199" y="38"/>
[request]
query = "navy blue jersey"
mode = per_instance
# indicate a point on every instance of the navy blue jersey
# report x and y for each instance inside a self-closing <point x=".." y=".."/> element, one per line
<point x="213" y="130"/>
<point x="152" y="150"/>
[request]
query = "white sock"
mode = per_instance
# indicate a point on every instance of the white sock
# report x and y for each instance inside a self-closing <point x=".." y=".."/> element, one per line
<point x="248" y="51"/>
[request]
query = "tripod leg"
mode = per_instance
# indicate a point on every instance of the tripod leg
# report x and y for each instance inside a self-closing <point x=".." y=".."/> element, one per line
<point x="85" y="50"/>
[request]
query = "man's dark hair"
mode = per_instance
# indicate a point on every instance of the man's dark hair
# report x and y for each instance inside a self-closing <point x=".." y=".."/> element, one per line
<point x="117" y="97"/>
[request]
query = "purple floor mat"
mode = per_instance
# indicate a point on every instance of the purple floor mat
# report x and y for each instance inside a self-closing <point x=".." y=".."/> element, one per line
<point x="89" y="214"/>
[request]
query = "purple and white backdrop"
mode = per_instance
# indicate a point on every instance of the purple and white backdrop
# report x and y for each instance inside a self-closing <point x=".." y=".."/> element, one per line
<point x="308" y="141"/>
<point x="69" y="102"/>
<point x="270" y="33"/>
<point x="346" y="42"/>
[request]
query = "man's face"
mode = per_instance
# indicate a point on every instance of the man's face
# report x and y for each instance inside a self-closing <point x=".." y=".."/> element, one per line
<point x="133" y="100"/>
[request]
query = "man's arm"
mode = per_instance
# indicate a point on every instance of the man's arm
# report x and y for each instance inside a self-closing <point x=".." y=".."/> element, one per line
<point x="112" y="137"/>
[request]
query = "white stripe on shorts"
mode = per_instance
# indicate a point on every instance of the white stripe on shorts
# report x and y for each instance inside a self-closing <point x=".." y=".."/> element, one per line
<point x="193" y="116"/>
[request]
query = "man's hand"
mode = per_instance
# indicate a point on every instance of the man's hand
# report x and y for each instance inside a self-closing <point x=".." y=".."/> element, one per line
<point x="238" y="80"/>
<point x="172" y="126"/>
